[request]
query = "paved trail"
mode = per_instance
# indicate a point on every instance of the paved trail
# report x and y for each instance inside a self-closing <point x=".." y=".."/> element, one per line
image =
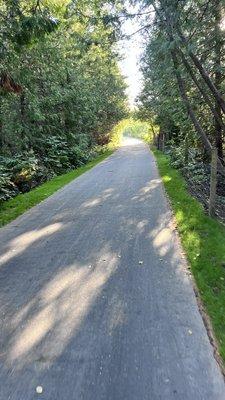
<point x="95" y="303"/>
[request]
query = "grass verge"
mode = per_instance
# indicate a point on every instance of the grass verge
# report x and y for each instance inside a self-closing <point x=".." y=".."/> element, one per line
<point x="11" y="209"/>
<point x="203" y="240"/>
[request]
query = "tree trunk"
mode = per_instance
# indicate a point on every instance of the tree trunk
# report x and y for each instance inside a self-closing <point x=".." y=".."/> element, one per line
<point x="216" y="93"/>
<point x="214" y="109"/>
<point x="187" y="104"/>
<point x="218" y="76"/>
<point x="173" y="26"/>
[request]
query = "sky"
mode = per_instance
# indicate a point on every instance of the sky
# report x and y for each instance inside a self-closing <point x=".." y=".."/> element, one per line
<point x="131" y="51"/>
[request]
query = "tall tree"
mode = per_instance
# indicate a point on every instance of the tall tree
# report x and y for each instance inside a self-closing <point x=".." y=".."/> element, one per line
<point x="61" y="90"/>
<point x="198" y="60"/>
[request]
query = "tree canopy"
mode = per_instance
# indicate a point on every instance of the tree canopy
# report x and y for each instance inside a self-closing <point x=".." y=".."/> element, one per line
<point x="61" y="90"/>
<point x="183" y="68"/>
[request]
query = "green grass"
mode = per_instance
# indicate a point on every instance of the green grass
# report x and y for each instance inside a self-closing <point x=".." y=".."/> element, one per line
<point x="11" y="209"/>
<point x="203" y="240"/>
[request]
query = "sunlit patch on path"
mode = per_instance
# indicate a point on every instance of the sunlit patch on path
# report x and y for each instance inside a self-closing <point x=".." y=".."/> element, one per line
<point x="95" y="299"/>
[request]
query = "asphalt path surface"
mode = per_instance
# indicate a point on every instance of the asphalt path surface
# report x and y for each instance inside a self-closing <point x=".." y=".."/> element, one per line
<point x="95" y="299"/>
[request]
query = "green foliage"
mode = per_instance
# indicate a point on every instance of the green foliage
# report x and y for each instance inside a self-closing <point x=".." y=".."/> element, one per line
<point x="136" y="128"/>
<point x="61" y="88"/>
<point x="11" y="209"/>
<point x="201" y="23"/>
<point x="116" y="135"/>
<point x="32" y="28"/>
<point x="160" y="95"/>
<point x="19" y="174"/>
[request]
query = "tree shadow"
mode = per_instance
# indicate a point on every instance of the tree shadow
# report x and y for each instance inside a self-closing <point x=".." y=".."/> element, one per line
<point x="69" y="275"/>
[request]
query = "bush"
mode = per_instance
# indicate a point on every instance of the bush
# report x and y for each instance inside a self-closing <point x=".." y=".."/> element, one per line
<point x="7" y="188"/>
<point x="50" y="156"/>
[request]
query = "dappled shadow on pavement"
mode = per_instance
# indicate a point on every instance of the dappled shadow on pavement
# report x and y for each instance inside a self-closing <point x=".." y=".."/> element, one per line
<point x="82" y="278"/>
<point x="53" y="311"/>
